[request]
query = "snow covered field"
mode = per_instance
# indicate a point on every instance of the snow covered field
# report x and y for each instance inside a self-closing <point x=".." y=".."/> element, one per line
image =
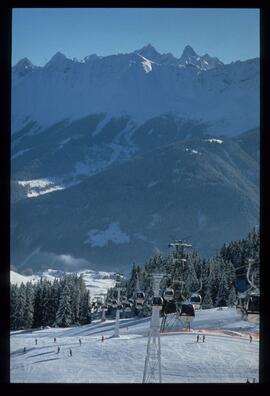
<point x="226" y="355"/>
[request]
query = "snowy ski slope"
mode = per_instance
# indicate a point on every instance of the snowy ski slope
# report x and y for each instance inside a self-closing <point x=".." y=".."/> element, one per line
<point x="226" y="355"/>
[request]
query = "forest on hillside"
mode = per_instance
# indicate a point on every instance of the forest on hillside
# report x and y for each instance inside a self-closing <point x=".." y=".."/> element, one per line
<point x="66" y="301"/>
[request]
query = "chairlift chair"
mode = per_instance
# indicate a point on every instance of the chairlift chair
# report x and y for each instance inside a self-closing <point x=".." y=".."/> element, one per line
<point x="187" y="312"/>
<point x="196" y="300"/>
<point x="252" y="308"/>
<point x="138" y="305"/>
<point x="248" y="305"/>
<point x="140" y="296"/>
<point x="127" y="306"/>
<point x="157" y="301"/>
<point x="168" y="294"/>
<point x="114" y="304"/>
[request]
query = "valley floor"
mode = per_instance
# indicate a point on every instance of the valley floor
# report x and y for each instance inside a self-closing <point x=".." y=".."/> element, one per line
<point x="227" y="355"/>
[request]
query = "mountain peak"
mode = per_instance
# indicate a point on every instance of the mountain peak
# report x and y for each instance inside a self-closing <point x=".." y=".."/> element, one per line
<point x="188" y="51"/>
<point x="148" y="51"/>
<point x="23" y="66"/>
<point x="58" y="61"/>
<point x="24" y="62"/>
<point x="58" y="57"/>
<point x="190" y="58"/>
<point x="149" y="47"/>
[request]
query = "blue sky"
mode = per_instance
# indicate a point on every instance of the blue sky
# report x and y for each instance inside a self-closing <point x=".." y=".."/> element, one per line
<point x="38" y="33"/>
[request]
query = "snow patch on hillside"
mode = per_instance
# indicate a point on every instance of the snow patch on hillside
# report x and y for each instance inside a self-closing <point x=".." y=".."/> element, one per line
<point x="100" y="238"/>
<point x="19" y="153"/>
<point x="101" y="125"/>
<point x="17" y="279"/>
<point x="146" y="63"/>
<point x="219" y="141"/>
<point x="98" y="282"/>
<point x="192" y="151"/>
<point x="63" y="143"/>
<point x="40" y="186"/>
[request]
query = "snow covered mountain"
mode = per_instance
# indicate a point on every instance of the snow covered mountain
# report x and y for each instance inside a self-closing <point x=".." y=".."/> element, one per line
<point x="205" y="62"/>
<point x="140" y="85"/>
<point x="112" y="155"/>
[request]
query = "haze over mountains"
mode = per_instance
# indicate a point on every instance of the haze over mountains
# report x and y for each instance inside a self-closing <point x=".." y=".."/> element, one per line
<point x="112" y="156"/>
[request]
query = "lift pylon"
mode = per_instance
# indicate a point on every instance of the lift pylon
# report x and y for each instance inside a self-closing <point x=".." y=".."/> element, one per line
<point x="152" y="366"/>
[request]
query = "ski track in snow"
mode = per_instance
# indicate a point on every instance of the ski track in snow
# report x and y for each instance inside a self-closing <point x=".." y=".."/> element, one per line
<point x="225" y="356"/>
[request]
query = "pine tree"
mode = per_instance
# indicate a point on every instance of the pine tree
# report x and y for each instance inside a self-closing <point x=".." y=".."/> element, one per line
<point x="222" y="293"/>
<point x="46" y="303"/>
<point x="29" y="306"/>
<point x="191" y="282"/>
<point x="84" y="308"/>
<point x="38" y="304"/>
<point x="214" y="276"/>
<point x="64" y="312"/>
<point x="75" y="299"/>
<point x="54" y="302"/>
<point x="20" y="308"/>
<point x="207" y="300"/>
<point x="231" y="297"/>
<point x="14" y="291"/>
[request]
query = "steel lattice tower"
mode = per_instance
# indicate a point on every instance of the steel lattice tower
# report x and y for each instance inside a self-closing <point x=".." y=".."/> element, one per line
<point x="152" y="366"/>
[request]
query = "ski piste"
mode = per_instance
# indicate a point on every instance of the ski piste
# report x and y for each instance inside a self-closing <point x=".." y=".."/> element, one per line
<point x="219" y="332"/>
<point x="227" y="355"/>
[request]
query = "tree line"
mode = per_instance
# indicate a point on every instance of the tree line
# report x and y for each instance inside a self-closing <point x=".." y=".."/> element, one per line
<point x="66" y="301"/>
<point x="218" y="278"/>
<point x="61" y="303"/>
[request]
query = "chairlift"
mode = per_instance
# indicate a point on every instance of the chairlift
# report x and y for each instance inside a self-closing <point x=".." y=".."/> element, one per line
<point x="168" y="307"/>
<point x="252" y="307"/>
<point x="168" y="294"/>
<point x="127" y="306"/>
<point x="248" y="303"/>
<point x="240" y="302"/>
<point x="187" y="312"/>
<point x="196" y="300"/>
<point x="138" y="305"/>
<point x="140" y="296"/>
<point x="157" y="301"/>
<point x="114" y="304"/>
